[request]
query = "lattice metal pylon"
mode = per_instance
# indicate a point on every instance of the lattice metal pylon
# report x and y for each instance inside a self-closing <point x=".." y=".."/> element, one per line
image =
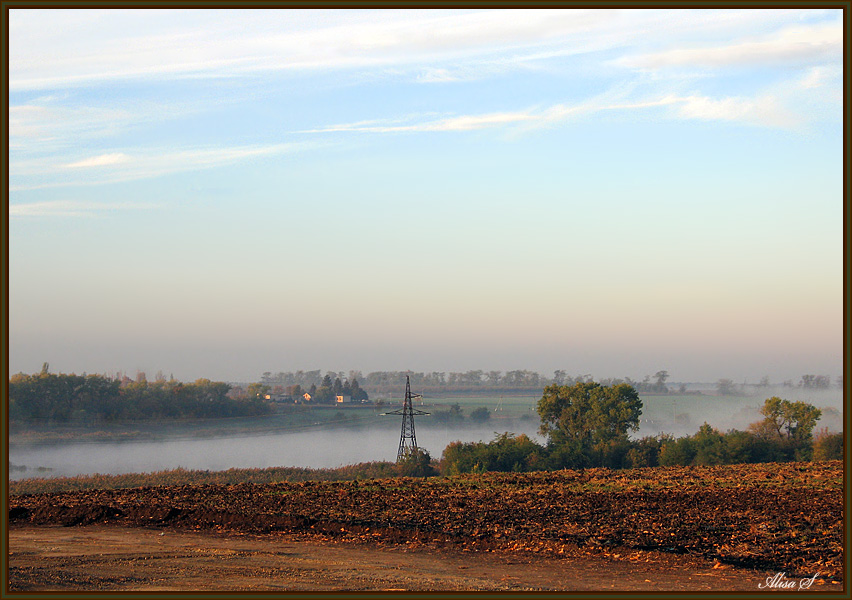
<point x="407" y="438"/>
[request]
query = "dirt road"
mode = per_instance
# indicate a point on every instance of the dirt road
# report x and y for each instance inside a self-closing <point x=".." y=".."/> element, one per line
<point x="109" y="557"/>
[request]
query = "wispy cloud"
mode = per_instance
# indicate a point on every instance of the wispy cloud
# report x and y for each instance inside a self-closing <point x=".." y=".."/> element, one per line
<point x="460" y="123"/>
<point x="764" y="111"/>
<point x="176" y="44"/>
<point x="68" y="208"/>
<point x="140" y="164"/>
<point x="103" y="160"/>
<point x="789" y="46"/>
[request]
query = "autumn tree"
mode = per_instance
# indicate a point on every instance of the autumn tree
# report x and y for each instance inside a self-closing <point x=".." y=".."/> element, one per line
<point x="790" y="424"/>
<point x="828" y="446"/>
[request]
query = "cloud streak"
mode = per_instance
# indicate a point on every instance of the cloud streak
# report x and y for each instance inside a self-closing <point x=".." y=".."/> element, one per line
<point x="104" y="160"/>
<point x="460" y="123"/>
<point x="120" y="167"/>
<point x="105" y="46"/>
<point x="197" y="44"/>
<point x="764" y="111"/>
<point x="792" y="45"/>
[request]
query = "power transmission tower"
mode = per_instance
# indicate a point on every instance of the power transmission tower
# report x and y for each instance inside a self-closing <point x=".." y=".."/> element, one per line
<point x="407" y="438"/>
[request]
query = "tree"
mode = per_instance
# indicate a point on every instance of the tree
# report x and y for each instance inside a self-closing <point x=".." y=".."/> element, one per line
<point x="480" y="415"/>
<point x="257" y="390"/>
<point x="645" y="452"/>
<point x="816" y="382"/>
<point x="791" y="424"/>
<point x="416" y="463"/>
<point x="709" y="446"/>
<point x="358" y="395"/>
<point x="323" y="395"/>
<point x="506" y="452"/>
<point x="590" y="421"/>
<point x="674" y="452"/>
<point x="453" y="416"/>
<point x="660" y="383"/>
<point x="795" y="420"/>
<point x="725" y="387"/>
<point x="828" y="446"/>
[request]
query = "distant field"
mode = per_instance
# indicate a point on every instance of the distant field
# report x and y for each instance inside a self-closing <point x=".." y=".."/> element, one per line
<point x="498" y="405"/>
<point x="675" y="414"/>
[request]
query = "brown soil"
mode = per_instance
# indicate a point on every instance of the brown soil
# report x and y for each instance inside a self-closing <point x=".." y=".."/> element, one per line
<point x="711" y="528"/>
<point x="114" y="558"/>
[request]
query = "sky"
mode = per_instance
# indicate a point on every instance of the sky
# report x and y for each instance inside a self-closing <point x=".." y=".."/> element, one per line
<point x="221" y="193"/>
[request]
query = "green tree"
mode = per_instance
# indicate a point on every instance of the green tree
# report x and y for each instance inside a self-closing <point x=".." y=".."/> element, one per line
<point x="506" y="452"/>
<point x="790" y="424"/>
<point x="644" y="452"/>
<point x="709" y="446"/>
<point x="589" y="422"/>
<point x="677" y="452"/>
<point x="416" y="463"/>
<point x="258" y="390"/>
<point x="454" y="416"/>
<point x="480" y="415"/>
<point x="358" y="394"/>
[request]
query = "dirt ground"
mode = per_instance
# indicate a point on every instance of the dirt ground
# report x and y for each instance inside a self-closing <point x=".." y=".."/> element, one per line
<point x="114" y="558"/>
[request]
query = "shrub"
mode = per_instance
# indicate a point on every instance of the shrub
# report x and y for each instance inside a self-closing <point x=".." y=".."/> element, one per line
<point x="828" y="446"/>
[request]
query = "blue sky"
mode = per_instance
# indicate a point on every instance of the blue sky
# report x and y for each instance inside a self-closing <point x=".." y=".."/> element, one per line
<point x="219" y="193"/>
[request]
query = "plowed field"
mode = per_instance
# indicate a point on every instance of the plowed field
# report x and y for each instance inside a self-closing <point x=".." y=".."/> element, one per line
<point x="774" y="517"/>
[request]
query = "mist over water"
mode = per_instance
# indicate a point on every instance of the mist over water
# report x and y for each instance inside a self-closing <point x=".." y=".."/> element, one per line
<point x="682" y="415"/>
<point x="676" y="415"/>
<point x="311" y="449"/>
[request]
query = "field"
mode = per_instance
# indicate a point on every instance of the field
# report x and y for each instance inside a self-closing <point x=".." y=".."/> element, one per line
<point x="774" y="517"/>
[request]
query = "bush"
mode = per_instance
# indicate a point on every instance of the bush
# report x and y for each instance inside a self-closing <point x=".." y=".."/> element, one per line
<point x="645" y="452"/>
<point x="506" y="452"/>
<point x="480" y="415"/>
<point x="828" y="446"/>
<point x="417" y="463"/>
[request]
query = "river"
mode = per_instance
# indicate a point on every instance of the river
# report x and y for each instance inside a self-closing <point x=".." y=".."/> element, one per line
<point x="324" y="448"/>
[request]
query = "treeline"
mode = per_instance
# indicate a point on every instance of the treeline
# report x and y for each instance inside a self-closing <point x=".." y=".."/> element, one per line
<point x="809" y="382"/>
<point x="519" y="379"/>
<point x="508" y="452"/>
<point x="587" y="425"/>
<point x="326" y="392"/>
<point x="61" y="398"/>
<point x="440" y="380"/>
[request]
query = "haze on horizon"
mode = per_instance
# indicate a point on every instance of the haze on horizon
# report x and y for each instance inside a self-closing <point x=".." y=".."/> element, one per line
<point x="219" y="193"/>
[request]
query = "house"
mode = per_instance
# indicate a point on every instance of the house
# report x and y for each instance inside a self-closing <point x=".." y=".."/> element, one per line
<point x="343" y="399"/>
<point x="306" y="396"/>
